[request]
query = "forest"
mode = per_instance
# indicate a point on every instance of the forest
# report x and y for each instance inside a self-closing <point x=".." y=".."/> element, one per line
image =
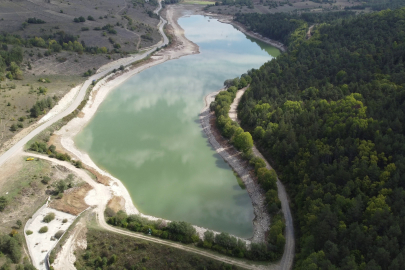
<point x="285" y="27"/>
<point x="329" y="115"/>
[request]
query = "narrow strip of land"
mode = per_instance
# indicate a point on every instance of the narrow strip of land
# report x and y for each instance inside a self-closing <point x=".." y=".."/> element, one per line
<point x="289" y="250"/>
<point x="103" y="191"/>
<point x="255" y="192"/>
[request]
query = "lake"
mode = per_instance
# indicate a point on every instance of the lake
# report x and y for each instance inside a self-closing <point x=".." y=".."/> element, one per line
<point x="147" y="132"/>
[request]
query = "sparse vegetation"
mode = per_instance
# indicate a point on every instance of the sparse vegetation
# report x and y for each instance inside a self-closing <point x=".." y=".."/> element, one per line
<point x="115" y="251"/>
<point x="35" y="21"/>
<point x="49" y="217"/>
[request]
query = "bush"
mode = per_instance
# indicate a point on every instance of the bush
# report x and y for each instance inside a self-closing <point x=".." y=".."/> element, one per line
<point x="28" y="232"/>
<point x="45" y="180"/>
<point x="3" y="203"/>
<point x="35" y="21"/>
<point x="49" y="217"/>
<point x="58" y="234"/>
<point x="90" y="18"/>
<point x="43" y="229"/>
<point x="64" y="220"/>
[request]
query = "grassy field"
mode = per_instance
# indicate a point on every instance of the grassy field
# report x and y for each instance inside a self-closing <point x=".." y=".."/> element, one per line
<point x="106" y="249"/>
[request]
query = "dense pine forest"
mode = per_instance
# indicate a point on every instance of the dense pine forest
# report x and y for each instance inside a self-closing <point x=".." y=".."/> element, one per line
<point x="330" y="115"/>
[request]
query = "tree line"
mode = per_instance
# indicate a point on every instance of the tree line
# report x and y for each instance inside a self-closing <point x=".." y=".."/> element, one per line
<point x="10" y="60"/>
<point x="330" y="115"/>
<point x="287" y="28"/>
<point x="272" y="248"/>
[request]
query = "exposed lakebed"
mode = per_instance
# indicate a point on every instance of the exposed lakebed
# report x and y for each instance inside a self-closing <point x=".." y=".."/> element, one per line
<point x="147" y="133"/>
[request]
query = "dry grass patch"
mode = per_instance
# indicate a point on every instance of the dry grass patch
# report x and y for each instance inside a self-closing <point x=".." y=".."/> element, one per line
<point x="72" y="201"/>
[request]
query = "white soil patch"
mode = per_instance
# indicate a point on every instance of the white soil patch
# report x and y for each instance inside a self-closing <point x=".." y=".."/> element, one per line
<point x="39" y="244"/>
<point x="62" y="104"/>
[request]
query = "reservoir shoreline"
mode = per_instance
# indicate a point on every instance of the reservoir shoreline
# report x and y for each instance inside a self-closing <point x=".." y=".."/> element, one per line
<point x="64" y="138"/>
<point x="179" y="47"/>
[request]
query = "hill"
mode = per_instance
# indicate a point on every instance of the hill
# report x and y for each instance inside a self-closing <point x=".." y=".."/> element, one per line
<point x="330" y="115"/>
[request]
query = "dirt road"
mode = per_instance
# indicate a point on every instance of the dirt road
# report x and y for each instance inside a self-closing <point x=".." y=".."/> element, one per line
<point x="289" y="250"/>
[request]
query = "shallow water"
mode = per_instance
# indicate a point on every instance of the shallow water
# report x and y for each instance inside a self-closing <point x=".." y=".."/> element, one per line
<point x="147" y="133"/>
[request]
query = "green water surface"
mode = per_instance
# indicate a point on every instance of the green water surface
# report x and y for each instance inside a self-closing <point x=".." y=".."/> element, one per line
<point x="147" y="133"/>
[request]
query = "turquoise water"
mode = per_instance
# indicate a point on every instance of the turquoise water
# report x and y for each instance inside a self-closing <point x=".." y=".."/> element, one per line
<point x="147" y="133"/>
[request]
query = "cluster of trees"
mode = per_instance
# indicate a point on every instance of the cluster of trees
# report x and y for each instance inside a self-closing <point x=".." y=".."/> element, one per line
<point x="10" y="61"/>
<point x="287" y="28"/>
<point x="35" y="21"/>
<point x="186" y="233"/>
<point x="109" y="28"/>
<point x="331" y="116"/>
<point x="41" y="147"/>
<point x="11" y="245"/>
<point x="40" y="106"/>
<point x="55" y="42"/>
<point x="167" y="2"/>
<point x="79" y="19"/>
<point x="177" y="231"/>
<point x="274" y="247"/>
<point x="248" y="3"/>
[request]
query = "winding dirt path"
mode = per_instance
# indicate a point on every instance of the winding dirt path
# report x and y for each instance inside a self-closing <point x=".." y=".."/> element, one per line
<point x="286" y="262"/>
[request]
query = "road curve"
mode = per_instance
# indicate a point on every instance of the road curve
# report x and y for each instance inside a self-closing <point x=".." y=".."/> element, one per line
<point x="82" y="92"/>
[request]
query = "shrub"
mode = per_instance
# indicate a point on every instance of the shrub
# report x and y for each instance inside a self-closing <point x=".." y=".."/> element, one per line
<point x="28" y="232"/>
<point x="90" y="18"/>
<point x="64" y="220"/>
<point x="35" y="21"/>
<point x="58" y="234"/>
<point x="3" y="203"/>
<point x="43" y="229"/>
<point x="45" y="180"/>
<point x="49" y="217"/>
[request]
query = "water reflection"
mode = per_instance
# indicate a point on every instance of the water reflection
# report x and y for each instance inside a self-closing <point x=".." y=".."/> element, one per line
<point x="147" y="133"/>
